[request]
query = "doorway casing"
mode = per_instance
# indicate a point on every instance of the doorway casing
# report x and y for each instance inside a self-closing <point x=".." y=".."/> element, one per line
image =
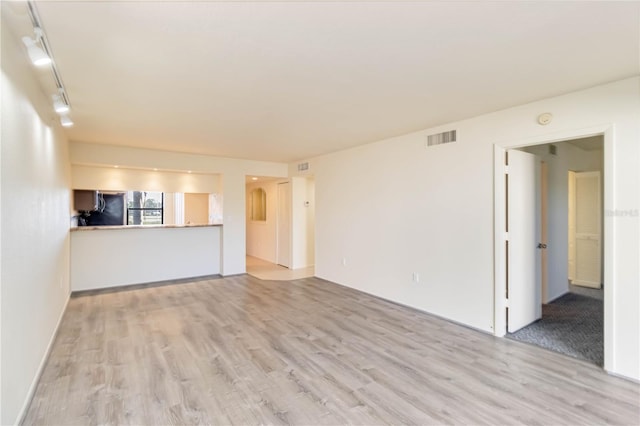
<point x="500" y="214"/>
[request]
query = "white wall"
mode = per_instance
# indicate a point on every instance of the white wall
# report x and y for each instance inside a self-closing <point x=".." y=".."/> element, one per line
<point x="568" y="157"/>
<point x="231" y="173"/>
<point x="302" y="222"/>
<point x="395" y="207"/>
<point x="310" y="210"/>
<point x="169" y="209"/>
<point x="35" y="187"/>
<point x="114" y="257"/>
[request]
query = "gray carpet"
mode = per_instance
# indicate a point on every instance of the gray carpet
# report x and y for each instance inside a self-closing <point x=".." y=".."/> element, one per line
<point x="572" y="325"/>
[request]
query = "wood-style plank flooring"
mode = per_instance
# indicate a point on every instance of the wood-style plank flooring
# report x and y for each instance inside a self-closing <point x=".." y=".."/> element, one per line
<point x="243" y="351"/>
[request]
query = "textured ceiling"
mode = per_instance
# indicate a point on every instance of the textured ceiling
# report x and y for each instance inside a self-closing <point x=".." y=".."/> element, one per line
<point x="284" y="81"/>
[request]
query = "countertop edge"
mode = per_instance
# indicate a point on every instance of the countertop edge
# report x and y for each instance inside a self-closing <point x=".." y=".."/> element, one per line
<point x="117" y="227"/>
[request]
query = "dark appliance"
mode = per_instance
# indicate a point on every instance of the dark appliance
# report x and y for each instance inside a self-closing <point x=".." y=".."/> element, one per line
<point x="111" y="212"/>
<point x="85" y="200"/>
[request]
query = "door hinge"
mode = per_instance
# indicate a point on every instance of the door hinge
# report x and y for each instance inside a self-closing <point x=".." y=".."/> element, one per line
<point x="506" y="170"/>
<point x="506" y="236"/>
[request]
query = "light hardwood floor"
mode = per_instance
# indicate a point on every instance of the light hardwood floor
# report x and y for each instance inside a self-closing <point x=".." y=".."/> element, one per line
<point x="243" y="351"/>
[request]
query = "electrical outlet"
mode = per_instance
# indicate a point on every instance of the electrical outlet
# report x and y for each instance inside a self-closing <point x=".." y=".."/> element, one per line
<point x="416" y="277"/>
<point x="344" y="261"/>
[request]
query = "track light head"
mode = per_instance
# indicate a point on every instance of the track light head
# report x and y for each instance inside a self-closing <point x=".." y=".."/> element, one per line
<point x="60" y="105"/>
<point x="66" y="121"/>
<point x="38" y="56"/>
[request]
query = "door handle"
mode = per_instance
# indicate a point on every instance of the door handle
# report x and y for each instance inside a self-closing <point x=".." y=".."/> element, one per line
<point x="542" y="246"/>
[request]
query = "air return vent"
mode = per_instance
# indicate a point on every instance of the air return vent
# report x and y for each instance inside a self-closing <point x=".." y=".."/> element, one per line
<point x="440" y="138"/>
<point x="303" y="167"/>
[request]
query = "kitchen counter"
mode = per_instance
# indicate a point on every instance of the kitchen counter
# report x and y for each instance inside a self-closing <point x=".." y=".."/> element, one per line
<point x="106" y="228"/>
<point x="142" y="254"/>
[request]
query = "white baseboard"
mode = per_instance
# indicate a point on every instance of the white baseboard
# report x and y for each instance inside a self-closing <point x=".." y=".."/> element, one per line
<point x="43" y="362"/>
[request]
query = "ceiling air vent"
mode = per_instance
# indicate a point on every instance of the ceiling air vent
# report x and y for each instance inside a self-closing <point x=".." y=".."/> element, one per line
<point x="303" y="167"/>
<point x="440" y="138"/>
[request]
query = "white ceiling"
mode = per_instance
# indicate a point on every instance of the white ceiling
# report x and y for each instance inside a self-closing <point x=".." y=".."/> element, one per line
<point x="284" y="81"/>
<point x="593" y="143"/>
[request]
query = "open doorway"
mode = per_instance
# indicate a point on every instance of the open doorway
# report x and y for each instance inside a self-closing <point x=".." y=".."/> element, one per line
<point x="565" y="303"/>
<point x="280" y="227"/>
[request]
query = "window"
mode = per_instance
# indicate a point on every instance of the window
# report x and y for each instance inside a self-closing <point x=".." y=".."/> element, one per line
<point x="144" y="208"/>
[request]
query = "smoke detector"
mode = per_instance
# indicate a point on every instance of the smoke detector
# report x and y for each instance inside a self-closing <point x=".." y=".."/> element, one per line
<point x="545" y="118"/>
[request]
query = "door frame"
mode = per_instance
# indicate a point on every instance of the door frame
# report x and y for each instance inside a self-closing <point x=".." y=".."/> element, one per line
<point x="279" y="212"/>
<point x="500" y="217"/>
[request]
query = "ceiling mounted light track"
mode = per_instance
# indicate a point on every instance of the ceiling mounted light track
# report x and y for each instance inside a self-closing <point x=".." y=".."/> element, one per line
<point x="40" y="56"/>
<point x="37" y="55"/>
<point x="59" y="104"/>
<point x="65" y="121"/>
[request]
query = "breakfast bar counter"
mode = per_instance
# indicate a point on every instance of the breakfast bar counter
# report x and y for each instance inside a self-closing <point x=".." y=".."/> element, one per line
<point x="112" y="256"/>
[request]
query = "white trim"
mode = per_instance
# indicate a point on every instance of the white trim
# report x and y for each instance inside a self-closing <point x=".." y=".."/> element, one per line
<point x="43" y="362"/>
<point x="178" y="208"/>
<point x="608" y="131"/>
<point x="499" y="248"/>
<point x="609" y="250"/>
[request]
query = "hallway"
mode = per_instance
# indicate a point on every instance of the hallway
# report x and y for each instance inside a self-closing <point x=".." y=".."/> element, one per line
<point x="270" y="271"/>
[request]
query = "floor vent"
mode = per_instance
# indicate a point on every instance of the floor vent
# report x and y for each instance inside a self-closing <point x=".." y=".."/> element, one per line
<point x="440" y="138"/>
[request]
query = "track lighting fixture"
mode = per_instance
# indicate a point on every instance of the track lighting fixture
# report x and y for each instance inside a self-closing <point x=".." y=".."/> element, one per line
<point x="37" y="55"/>
<point x="40" y="54"/>
<point x="59" y="104"/>
<point x="66" y="121"/>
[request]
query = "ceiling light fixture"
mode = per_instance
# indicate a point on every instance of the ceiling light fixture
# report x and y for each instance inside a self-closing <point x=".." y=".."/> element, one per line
<point x="60" y="105"/>
<point x="66" y="121"/>
<point x="41" y="56"/>
<point x="37" y="55"/>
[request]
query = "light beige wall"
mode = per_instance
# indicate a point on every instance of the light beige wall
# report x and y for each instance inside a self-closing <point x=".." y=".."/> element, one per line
<point x="35" y="212"/>
<point x="261" y="235"/>
<point x="139" y="158"/>
<point x="302" y="222"/>
<point x="196" y="208"/>
<point x="232" y="173"/>
<point x="123" y="179"/>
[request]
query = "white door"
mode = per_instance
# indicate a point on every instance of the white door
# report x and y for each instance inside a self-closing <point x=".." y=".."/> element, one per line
<point x="544" y="228"/>
<point x="588" y="225"/>
<point x="284" y="225"/>
<point x="523" y="277"/>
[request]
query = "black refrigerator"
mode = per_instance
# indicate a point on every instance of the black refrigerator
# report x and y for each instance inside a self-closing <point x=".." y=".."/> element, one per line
<point x="111" y="211"/>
